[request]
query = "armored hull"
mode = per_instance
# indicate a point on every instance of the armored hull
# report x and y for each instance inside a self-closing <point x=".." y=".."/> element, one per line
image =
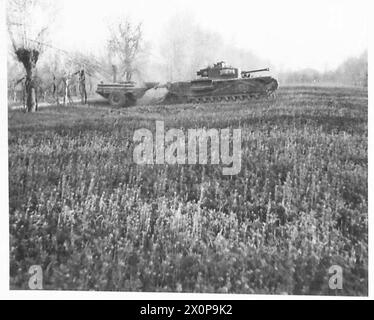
<point x="216" y="91"/>
<point x="221" y="83"/>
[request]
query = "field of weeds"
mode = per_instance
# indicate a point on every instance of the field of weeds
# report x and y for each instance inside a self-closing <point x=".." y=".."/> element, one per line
<point x="93" y="220"/>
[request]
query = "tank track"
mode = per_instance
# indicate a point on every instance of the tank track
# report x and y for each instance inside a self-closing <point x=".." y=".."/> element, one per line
<point x="171" y="99"/>
<point x="226" y="98"/>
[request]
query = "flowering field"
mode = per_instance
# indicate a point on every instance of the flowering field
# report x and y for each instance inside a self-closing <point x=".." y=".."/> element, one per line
<point x="93" y="220"/>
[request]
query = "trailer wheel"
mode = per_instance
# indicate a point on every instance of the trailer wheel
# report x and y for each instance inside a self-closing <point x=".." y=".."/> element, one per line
<point x="117" y="99"/>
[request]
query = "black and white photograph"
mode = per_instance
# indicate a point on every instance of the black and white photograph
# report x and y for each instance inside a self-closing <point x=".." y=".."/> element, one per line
<point x="186" y="147"/>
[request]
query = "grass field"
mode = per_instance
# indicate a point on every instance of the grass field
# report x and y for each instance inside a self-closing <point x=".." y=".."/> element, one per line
<point x="94" y="220"/>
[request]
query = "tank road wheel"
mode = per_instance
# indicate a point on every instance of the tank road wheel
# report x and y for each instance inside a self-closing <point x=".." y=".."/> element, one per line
<point x="117" y="99"/>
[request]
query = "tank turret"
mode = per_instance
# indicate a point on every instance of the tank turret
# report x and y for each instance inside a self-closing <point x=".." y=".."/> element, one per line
<point x="219" y="71"/>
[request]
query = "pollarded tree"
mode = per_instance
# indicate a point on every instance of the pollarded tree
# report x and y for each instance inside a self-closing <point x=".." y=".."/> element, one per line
<point x="124" y="46"/>
<point x="28" y="23"/>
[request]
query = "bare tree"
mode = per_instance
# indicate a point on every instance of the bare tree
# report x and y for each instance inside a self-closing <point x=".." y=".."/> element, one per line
<point x="124" y="46"/>
<point x="27" y="30"/>
<point x="14" y="74"/>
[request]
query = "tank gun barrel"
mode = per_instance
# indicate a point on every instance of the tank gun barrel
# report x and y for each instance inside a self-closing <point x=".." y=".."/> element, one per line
<point x="247" y="74"/>
<point x="255" y="71"/>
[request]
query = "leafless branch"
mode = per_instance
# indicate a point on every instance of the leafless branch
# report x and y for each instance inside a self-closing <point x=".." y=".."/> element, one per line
<point x="125" y="45"/>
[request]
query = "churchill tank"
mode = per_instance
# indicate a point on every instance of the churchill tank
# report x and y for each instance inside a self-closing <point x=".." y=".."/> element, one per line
<point x="220" y="83"/>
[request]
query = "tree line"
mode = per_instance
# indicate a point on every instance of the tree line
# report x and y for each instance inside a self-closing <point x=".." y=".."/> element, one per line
<point x="352" y="72"/>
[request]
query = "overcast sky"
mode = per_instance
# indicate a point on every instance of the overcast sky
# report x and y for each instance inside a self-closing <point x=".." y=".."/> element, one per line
<point x="291" y="34"/>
